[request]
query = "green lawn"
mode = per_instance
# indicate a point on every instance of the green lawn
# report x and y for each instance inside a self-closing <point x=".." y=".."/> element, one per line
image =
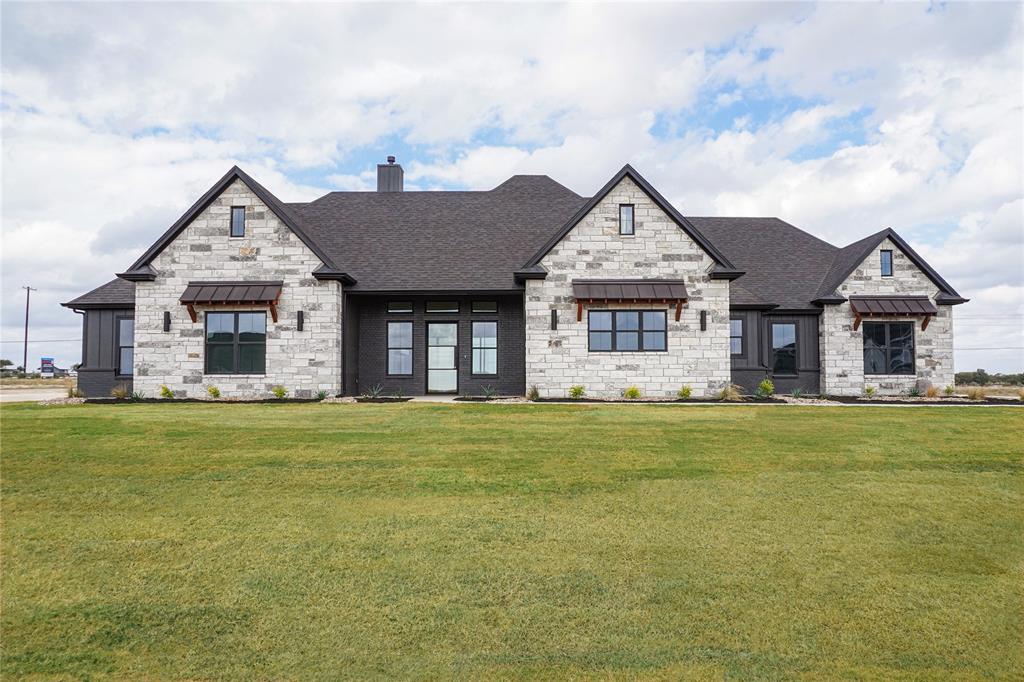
<point x="539" y="541"/>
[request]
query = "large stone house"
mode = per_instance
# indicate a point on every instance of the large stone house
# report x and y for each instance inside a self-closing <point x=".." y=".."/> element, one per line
<point x="524" y="285"/>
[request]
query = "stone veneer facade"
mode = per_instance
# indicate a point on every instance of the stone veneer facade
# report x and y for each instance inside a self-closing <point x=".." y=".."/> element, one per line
<point x="594" y="249"/>
<point x="842" y="348"/>
<point x="303" y="362"/>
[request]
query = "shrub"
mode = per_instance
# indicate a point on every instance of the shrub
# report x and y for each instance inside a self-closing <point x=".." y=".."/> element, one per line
<point x="766" y="388"/>
<point x="374" y="391"/>
<point x="1020" y="394"/>
<point x="279" y="391"/>
<point x="731" y="393"/>
<point x="321" y="395"/>
<point x="870" y="391"/>
<point x="120" y="391"/>
<point x="914" y="392"/>
<point x="399" y="393"/>
<point x="797" y="393"/>
<point x="975" y="393"/>
<point x="948" y="390"/>
<point x="576" y="392"/>
<point x="166" y="392"/>
<point x="684" y="392"/>
<point x="533" y="393"/>
<point x="138" y="395"/>
<point x="490" y="392"/>
<point x="213" y="391"/>
<point x="932" y="392"/>
<point x="73" y="392"/>
<point x="632" y="393"/>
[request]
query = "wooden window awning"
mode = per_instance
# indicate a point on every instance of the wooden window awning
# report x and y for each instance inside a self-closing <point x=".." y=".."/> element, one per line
<point x="231" y="294"/>
<point x="629" y="291"/>
<point x="892" y="306"/>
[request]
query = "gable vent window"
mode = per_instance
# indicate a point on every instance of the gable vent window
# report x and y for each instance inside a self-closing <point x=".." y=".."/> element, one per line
<point x="238" y="221"/>
<point x="626" y="219"/>
<point x="886" y="263"/>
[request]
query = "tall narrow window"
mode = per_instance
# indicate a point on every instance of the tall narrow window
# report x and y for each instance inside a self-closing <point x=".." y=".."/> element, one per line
<point x="238" y="221"/>
<point x="125" y="345"/>
<point x="886" y="256"/>
<point x="485" y="348"/>
<point x="626" y="219"/>
<point x="399" y="348"/>
<point x="784" y="348"/>
<point x="236" y="343"/>
<point x="888" y="347"/>
<point x="736" y="336"/>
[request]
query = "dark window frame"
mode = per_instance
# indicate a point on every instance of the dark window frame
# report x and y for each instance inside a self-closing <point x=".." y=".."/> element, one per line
<point x="389" y="311"/>
<point x="454" y="304"/>
<point x="886" y="348"/>
<point x="231" y="222"/>
<point x="474" y="311"/>
<point x="881" y="262"/>
<point x="235" y="343"/>
<point x="118" y="346"/>
<point x="632" y="220"/>
<point x="743" y="346"/>
<point x="388" y="348"/>
<point x="472" y="355"/>
<point x="640" y="331"/>
<point x="796" y="347"/>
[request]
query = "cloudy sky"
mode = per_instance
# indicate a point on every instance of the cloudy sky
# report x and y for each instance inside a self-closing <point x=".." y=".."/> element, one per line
<point x="842" y="119"/>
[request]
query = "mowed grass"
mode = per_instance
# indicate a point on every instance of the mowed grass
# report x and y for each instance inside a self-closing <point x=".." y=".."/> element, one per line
<point x="512" y="541"/>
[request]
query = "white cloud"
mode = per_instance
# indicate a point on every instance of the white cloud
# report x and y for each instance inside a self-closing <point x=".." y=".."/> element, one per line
<point x="116" y="117"/>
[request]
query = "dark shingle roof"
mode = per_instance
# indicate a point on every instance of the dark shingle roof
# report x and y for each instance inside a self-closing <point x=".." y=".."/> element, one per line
<point x="784" y="265"/>
<point x="113" y="294"/>
<point x="438" y="240"/>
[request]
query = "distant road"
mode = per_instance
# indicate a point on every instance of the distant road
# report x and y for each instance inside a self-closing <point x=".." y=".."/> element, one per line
<point x="22" y="395"/>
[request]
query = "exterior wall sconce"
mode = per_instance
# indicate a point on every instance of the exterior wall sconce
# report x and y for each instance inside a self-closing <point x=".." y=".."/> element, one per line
<point x="167" y="320"/>
<point x="703" y="320"/>
<point x="554" y="319"/>
<point x="301" y="319"/>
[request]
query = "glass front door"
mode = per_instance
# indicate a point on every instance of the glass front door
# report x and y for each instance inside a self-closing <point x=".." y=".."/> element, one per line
<point x="442" y="356"/>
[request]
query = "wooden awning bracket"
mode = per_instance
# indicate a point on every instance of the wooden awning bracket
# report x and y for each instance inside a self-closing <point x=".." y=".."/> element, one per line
<point x="192" y="312"/>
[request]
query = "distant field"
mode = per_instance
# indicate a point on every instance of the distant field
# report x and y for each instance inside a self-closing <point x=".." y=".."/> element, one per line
<point x="303" y="541"/>
<point x="10" y="382"/>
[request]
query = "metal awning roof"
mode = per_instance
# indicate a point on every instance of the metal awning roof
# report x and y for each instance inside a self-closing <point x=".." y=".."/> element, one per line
<point x="892" y="306"/>
<point x="231" y="293"/>
<point x="640" y="290"/>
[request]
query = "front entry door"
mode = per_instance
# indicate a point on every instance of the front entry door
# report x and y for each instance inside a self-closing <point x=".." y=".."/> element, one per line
<point x="442" y="357"/>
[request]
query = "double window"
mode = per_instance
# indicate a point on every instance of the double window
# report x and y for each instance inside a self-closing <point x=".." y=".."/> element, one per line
<point x="485" y="348"/>
<point x="400" y="348"/>
<point x="238" y="221"/>
<point x="125" y="345"/>
<point x="236" y="343"/>
<point x="626" y="225"/>
<point x="888" y="347"/>
<point x="886" y="262"/>
<point x="736" y="336"/>
<point x="627" y="330"/>
<point x="783" y="348"/>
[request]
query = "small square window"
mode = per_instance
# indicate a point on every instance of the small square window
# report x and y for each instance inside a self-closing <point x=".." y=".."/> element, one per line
<point x="238" y="221"/>
<point x="886" y="256"/>
<point x="399" y="306"/>
<point x="485" y="306"/>
<point x="626" y="219"/>
<point x="442" y="306"/>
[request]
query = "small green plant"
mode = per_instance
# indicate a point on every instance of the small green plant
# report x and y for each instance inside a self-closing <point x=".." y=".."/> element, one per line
<point x="731" y="393"/>
<point x="374" y="391"/>
<point x="932" y="392"/>
<point x="632" y="393"/>
<point x="870" y="391"/>
<point x="213" y="391"/>
<point x="399" y="393"/>
<point x="138" y="395"/>
<point x="948" y="390"/>
<point x="120" y="391"/>
<point x="73" y="392"/>
<point x="533" y="393"/>
<point x="279" y="391"/>
<point x="797" y="393"/>
<point x="766" y="389"/>
<point x="1020" y="395"/>
<point x="975" y="393"/>
<point x="166" y="392"/>
<point x="914" y="392"/>
<point x="321" y="395"/>
<point x="576" y="392"/>
<point x="684" y="392"/>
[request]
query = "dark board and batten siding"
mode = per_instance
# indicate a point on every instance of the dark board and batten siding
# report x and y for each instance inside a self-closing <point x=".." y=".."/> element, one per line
<point x="370" y="354"/>
<point x="754" y="364"/>
<point x="97" y="374"/>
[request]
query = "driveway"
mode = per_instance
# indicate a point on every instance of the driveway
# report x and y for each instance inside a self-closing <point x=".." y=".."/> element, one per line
<point x="24" y="395"/>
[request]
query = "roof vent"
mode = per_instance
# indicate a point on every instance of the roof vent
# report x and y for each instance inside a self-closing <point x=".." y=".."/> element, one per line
<point x="390" y="176"/>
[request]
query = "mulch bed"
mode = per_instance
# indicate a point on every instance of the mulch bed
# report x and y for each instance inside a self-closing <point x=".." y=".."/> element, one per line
<point x="939" y="402"/>
<point x="226" y="401"/>
<point x="382" y="399"/>
<point x="646" y="401"/>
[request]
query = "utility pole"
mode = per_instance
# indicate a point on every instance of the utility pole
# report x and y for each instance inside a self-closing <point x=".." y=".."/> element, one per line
<point x="24" y="359"/>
